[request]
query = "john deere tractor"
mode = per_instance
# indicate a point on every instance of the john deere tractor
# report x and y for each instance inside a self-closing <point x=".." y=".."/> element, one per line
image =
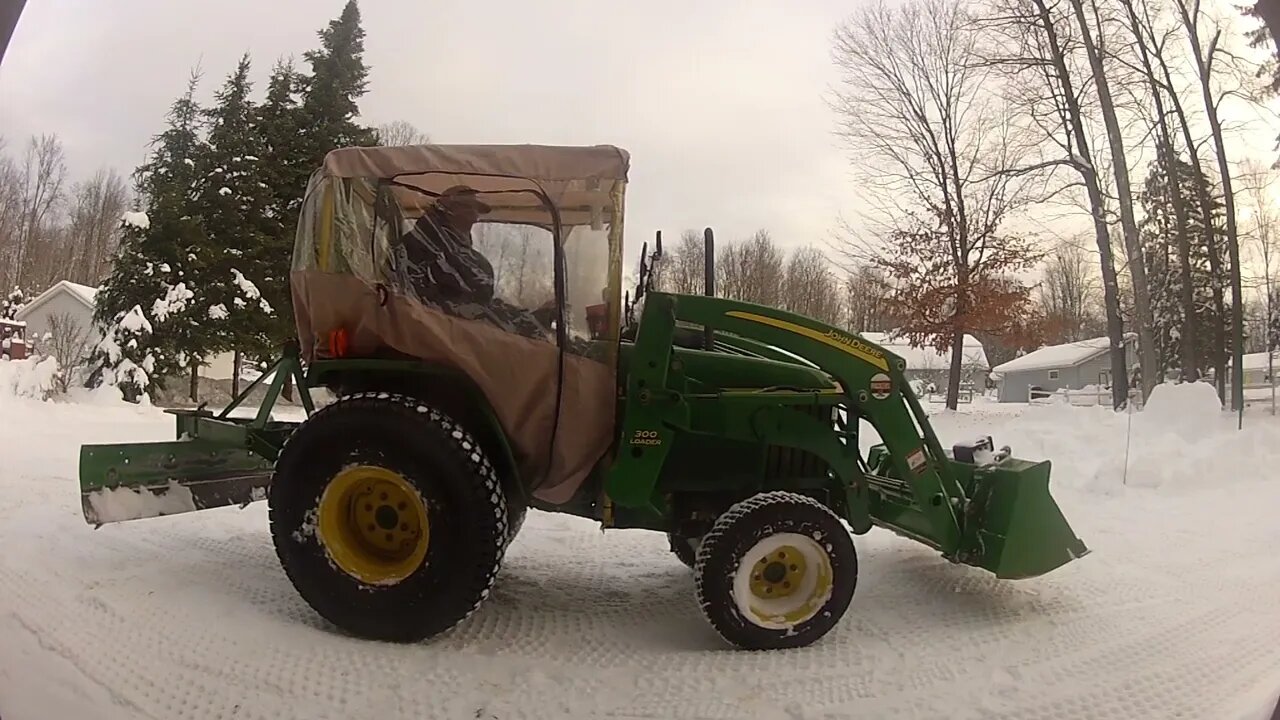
<point x="464" y="307"/>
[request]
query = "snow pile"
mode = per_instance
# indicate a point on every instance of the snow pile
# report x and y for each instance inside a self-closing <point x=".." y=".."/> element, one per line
<point x="30" y="378"/>
<point x="116" y="504"/>
<point x="1181" y="441"/>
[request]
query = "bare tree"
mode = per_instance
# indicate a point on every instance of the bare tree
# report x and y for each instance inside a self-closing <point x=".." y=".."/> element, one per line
<point x="67" y="341"/>
<point x="1159" y="127"/>
<point x="867" y="300"/>
<point x="1033" y="43"/>
<point x="97" y="205"/>
<point x="751" y="270"/>
<point x="43" y="174"/>
<point x="935" y="144"/>
<point x="1068" y="294"/>
<point x="1259" y="182"/>
<point x="809" y="287"/>
<point x="1204" y="202"/>
<point x="1204" y="57"/>
<point x="401" y="132"/>
<point x="682" y="267"/>
<point x="1120" y="169"/>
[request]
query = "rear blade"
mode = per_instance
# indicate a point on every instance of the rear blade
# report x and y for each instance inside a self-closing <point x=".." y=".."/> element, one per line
<point x="1020" y="531"/>
<point x="141" y="480"/>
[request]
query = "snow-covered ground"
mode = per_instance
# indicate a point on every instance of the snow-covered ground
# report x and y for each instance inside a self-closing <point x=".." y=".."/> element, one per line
<point x="1176" y="613"/>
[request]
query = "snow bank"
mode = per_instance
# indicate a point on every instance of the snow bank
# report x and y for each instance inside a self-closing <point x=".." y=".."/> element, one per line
<point x="30" y="378"/>
<point x="1182" y="440"/>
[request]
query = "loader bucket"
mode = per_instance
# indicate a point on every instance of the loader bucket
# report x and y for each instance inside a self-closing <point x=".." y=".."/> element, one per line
<point x="1014" y="528"/>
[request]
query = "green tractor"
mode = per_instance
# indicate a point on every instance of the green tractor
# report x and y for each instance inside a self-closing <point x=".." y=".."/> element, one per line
<point x="464" y="307"/>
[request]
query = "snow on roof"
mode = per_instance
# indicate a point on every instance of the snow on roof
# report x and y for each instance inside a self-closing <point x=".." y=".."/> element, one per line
<point x="1053" y="357"/>
<point x="927" y="358"/>
<point x="83" y="293"/>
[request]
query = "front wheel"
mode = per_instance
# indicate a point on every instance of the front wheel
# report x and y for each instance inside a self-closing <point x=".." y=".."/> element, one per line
<point x="778" y="570"/>
<point x="387" y="517"/>
<point x="684" y="548"/>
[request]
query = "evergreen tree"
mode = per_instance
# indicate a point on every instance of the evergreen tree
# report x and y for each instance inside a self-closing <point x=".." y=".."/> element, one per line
<point x="338" y="79"/>
<point x="301" y="120"/>
<point x="158" y="269"/>
<point x="284" y="169"/>
<point x="12" y="304"/>
<point x="1159" y="235"/>
<point x="126" y="356"/>
<point x="233" y="203"/>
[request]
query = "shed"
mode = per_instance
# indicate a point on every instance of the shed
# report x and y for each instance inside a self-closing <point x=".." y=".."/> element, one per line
<point x="1072" y="366"/>
<point x="65" y="309"/>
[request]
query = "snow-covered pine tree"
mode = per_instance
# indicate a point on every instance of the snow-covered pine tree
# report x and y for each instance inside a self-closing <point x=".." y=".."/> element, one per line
<point x="158" y="268"/>
<point x="1159" y="237"/>
<point x="127" y="345"/>
<point x="234" y="202"/>
<point x="12" y="303"/>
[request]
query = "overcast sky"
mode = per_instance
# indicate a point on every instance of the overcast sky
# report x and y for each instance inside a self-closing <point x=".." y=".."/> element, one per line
<point x="720" y="102"/>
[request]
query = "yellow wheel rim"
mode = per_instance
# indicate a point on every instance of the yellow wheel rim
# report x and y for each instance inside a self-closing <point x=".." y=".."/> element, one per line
<point x="783" y="580"/>
<point x="373" y="524"/>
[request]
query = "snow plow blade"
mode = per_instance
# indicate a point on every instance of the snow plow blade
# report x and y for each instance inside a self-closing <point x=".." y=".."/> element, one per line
<point x="130" y="482"/>
<point x="217" y="461"/>
<point x="1015" y="529"/>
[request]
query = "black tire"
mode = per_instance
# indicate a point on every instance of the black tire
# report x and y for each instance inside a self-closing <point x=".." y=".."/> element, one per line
<point x="685" y="549"/>
<point x="464" y="506"/>
<point x="760" y="522"/>
<point x="517" y="511"/>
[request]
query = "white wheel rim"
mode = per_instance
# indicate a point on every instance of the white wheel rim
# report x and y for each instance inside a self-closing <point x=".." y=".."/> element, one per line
<point x="808" y="592"/>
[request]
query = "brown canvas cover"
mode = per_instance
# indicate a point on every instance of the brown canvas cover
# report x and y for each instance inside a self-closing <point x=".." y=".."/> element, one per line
<point x="346" y="275"/>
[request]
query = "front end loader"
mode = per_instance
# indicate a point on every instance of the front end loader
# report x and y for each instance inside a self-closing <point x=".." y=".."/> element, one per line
<point x="740" y="431"/>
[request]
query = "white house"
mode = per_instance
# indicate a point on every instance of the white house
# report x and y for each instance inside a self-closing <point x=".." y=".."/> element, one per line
<point x="66" y="303"/>
<point x="1255" y="368"/>
<point x="926" y="363"/>
<point x="1071" y="366"/>
<point x="71" y="304"/>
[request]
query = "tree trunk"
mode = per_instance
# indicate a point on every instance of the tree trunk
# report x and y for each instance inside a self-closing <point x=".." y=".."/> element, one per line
<point x="1120" y="166"/>
<point x="1205" y="201"/>
<point x="1110" y="287"/>
<point x="195" y="381"/>
<point x="1189" y="330"/>
<point x="1224" y="171"/>
<point x="957" y="366"/>
<point x="235" y="374"/>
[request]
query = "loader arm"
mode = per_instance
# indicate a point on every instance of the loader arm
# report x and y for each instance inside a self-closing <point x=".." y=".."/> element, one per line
<point x="996" y="514"/>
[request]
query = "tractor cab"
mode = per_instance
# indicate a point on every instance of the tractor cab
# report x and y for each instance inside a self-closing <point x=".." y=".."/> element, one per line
<point x="499" y="267"/>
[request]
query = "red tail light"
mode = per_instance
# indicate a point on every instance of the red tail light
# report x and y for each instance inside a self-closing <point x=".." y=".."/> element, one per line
<point x="339" y="343"/>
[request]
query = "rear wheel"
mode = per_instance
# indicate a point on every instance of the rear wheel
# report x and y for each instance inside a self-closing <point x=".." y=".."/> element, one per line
<point x="387" y="517"/>
<point x="778" y="570"/>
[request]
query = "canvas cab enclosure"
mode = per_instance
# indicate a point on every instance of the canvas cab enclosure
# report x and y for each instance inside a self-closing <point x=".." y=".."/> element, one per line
<point x="522" y="307"/>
